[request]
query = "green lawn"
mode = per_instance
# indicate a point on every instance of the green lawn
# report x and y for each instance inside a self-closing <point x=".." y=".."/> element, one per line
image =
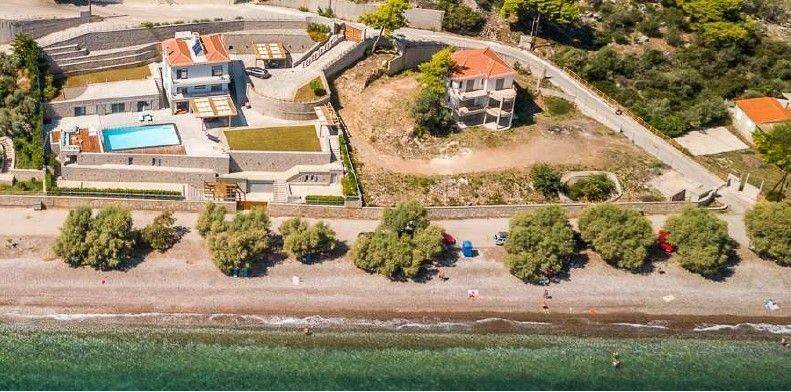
<point x="111" y="75"/>
<point x="292" y="138"/>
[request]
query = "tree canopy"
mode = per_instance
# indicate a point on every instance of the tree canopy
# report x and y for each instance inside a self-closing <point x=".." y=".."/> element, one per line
<point x="546" y="180"/>
<point x="301" y="240"/>
<point x="238" y="243"/>
<point x="621" y="236"/>
<point x="161" y="234"/>
<point x="430" y="114"/>
<point x="103" y="242"/>
<point x="701" y="240"/>
<point x="775" y="145"/>
<point x="387" y="17"/>
<point x="768" y="226"/>
<point x="558" y="11"/>
<point x="539" y="243"/>
<point x="403" y="243"/>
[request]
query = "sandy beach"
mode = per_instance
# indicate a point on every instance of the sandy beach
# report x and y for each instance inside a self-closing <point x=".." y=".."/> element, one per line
<point x="184" y="280"/>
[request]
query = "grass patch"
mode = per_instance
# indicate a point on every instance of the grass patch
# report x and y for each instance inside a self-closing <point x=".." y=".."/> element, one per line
<point x="293" y="138"/>
<point x="318" y="32"/>
<point x="557" y="106"/>
<point x="311" y="92"/>
<point x="741" y="163"/>
<point x="325" y="200"/>
<point x="110" y="75"/>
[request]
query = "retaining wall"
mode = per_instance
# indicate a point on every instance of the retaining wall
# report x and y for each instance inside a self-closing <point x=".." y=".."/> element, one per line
<point x="99" y="202"/>
<point x="419" y="18"/>
<point x="218" y="164"/>
<point x="27" y="174"/>
<point x="120" y="174"/>
<point x="461" y="212"/>
<point x="37" y="27"/>
<point x="411" y="55"/>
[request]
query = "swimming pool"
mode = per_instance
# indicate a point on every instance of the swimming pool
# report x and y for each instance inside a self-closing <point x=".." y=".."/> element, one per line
<point x="139" y="136"/>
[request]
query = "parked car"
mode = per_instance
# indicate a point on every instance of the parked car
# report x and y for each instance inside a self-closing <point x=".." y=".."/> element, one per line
<point x="664" y="243"/>
<point x="257" y="72"/>
<point x="500" y="237"/>
<point x="448" y="239"/>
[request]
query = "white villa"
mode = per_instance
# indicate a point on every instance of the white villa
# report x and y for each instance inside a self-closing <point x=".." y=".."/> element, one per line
<point x="481" y="89"/>
<point x="194" y="66"/>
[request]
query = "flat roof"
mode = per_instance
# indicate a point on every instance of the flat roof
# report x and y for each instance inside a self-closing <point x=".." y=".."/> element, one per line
<point x="110" y="90"/>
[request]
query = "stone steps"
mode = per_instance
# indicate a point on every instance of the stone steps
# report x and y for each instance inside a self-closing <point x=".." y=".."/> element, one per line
<point x="280" y="192"/>
<point x="51" y="50"/>
<point x="65" y="55"/>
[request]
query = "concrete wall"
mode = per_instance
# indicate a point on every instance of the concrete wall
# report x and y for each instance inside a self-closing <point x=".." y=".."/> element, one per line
<point x="275" y="160"/>
<point x="55" y="109"/>
<point x="37" y="27"/>
<point x="420" y="18"/>
<point x="461" y="212"/>
<point x="411" y="54"/>
<point x="99" y="202"/>
<point x="279" y="108"/>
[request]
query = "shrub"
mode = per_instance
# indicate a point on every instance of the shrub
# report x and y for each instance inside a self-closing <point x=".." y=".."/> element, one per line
<point x="147" y="24"/>
<point x="301" y="240"/>
<point x="161" y="234"/>
<point x="546" y="180"/>
<point x="318" y="32"/>
<point x="701" y="239"/>
<point x="302" y="8"/>
<point x="211" y="218"/>
<point x="317" y="87"/>
<point x="71" y="245"/>
<point x="325" y="199"/>
<point x="403" y="243"/>
<point x="460" y="18"/>
<point x="557" y="106"/>
<point x="769" y="229"/>
<point x="111" y="239"/>
<point x="597" y="187"/>
<point x="621" y="236"/>
<point x="327" y="13"/>
<point x="240" y="242"/>
<point x="540" y="243"/>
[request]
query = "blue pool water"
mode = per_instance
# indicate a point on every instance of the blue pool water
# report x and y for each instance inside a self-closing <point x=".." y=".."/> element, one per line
<point x="139" y="136"/>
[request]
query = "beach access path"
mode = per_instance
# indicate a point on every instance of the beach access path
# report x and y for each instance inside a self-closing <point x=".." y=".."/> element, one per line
<point x="184" y="280"/>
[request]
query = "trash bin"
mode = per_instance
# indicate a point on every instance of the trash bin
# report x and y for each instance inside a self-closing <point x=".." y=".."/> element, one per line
<point x="466" y="249"/>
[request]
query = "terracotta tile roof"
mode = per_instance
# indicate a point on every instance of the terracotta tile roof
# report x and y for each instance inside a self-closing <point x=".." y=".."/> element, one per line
<point x="178" y="50"/>
<point x="215" y="48"/>
<point x="472" y="63"/>
<point x="764" y="110"/>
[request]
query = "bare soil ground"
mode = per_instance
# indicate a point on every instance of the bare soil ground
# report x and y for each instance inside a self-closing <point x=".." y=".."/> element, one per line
<point x="474" y="165"/>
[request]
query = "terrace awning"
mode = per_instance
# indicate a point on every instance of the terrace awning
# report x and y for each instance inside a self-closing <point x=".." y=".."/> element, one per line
<point x="213" y="107"/>
<point x="270" y="51"/>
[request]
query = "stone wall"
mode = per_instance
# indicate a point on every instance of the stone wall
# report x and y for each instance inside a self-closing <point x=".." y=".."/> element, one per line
<point x="286" y="110"/>
<point x="99" y="202"/>
<point x="37" y="27"/>
<point x="120" y="174"/>
<point x="275" y="160"/>
<point x="27" y="174"/>
<point x="347" y="59"/>
<point x="217" y="164"/>
<point x="411" y="54"/>
<point x="419" y="18"/>
<point x="461" y="212"/>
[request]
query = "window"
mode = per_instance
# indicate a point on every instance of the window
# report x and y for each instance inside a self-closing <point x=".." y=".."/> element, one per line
<point x="216" y="88"/>
<point x="79" y="111"/>
<point x="470" y="85"/>
<point x="181" y="90"/>
<point x="217" y="70"/>
<point x="182" y="73"/>
<point x="129" y="160"/>
<point x="200" y="87"/>
<point x="117" y="107"/>
<point x="142" y="105"/>
<point x="498" y="85"/>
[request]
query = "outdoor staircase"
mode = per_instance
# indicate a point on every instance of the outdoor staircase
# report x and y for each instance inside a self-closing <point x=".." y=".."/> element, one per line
<point x="335" y="147"/>
<point x="280" y="192"/>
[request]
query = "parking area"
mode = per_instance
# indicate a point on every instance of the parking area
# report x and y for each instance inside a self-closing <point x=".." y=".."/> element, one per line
<point x="711" y="141"/>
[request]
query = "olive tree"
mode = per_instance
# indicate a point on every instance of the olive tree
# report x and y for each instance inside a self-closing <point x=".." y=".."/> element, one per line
<point x="539" y="243"/>
<point x="701" y="240"/>
<point x="387" y="17"/>
<point x="161" y="234"/>
<point x="769" y="229"/>
<point x="211" y="217"/>
<point x="301" y="240"/>
<point x="71" y="245"/>
<point x="403" y="243"/>
<point x="621" y="236"/>
<point x="240" y="242"/>
<point x="111" y="239"/>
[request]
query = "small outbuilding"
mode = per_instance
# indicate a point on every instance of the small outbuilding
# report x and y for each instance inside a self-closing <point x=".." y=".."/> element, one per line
<point x="759" y="113"/>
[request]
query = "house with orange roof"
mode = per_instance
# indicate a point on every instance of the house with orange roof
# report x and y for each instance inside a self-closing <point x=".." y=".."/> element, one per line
<point x="481" y="89"/>
<point x="759" y="113"/>
<point x="194" y="66"/>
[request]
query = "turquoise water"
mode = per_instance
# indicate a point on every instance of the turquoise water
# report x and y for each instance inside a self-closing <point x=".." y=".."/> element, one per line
<point x="139" y="136"/>
<point x="93" y="357"/>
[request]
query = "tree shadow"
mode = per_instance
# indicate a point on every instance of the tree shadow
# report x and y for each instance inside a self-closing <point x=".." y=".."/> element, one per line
<point x="526" y="109"/>
<point x="727" y="270"/>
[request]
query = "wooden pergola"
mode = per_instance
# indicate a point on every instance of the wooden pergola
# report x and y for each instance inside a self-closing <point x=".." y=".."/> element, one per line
<point x="271" y="53"/>
<point x="213" y="107"/>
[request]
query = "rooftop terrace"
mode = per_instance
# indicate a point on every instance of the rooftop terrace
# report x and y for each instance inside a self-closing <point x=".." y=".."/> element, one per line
<point x="286" y="138"/>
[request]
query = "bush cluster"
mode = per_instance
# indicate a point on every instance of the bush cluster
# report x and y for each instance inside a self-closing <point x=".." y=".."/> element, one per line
<point x="597" y="187"/>
<point x="769" y="229"/>
<point x="546" y="180"/>
<point x="460" y="18"/>
<point x="539" y="244"/>
<point x="104" y="241"/>
<point x="621" y="236"/>
<point x="404" y="242"/>
<point x="238" y="243"/>
<point x="303" y="241"/>
<point x="701" y="239"/>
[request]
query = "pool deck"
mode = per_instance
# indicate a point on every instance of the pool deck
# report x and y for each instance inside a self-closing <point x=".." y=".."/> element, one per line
<point x="194" y="140"/>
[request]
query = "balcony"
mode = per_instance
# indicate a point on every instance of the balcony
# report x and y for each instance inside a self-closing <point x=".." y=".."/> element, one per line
<point x="202" y="80"/>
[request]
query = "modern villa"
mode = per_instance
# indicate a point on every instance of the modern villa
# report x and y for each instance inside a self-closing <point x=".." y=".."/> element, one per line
<point x="194" y="66"/>
<point x="481" y="89"/>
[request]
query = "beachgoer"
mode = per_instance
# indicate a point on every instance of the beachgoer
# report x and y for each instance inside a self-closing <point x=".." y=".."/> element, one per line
<point x="307" y="331"/>
<point x="546" y="294"/>
<point x="545" y="307"/>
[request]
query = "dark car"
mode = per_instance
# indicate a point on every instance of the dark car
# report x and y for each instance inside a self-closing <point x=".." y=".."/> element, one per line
<point x="257" y="72"/>
<point x="499" y="238"/>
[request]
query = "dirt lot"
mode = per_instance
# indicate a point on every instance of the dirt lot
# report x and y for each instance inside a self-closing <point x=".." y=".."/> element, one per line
<point x="475" y="165"/>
